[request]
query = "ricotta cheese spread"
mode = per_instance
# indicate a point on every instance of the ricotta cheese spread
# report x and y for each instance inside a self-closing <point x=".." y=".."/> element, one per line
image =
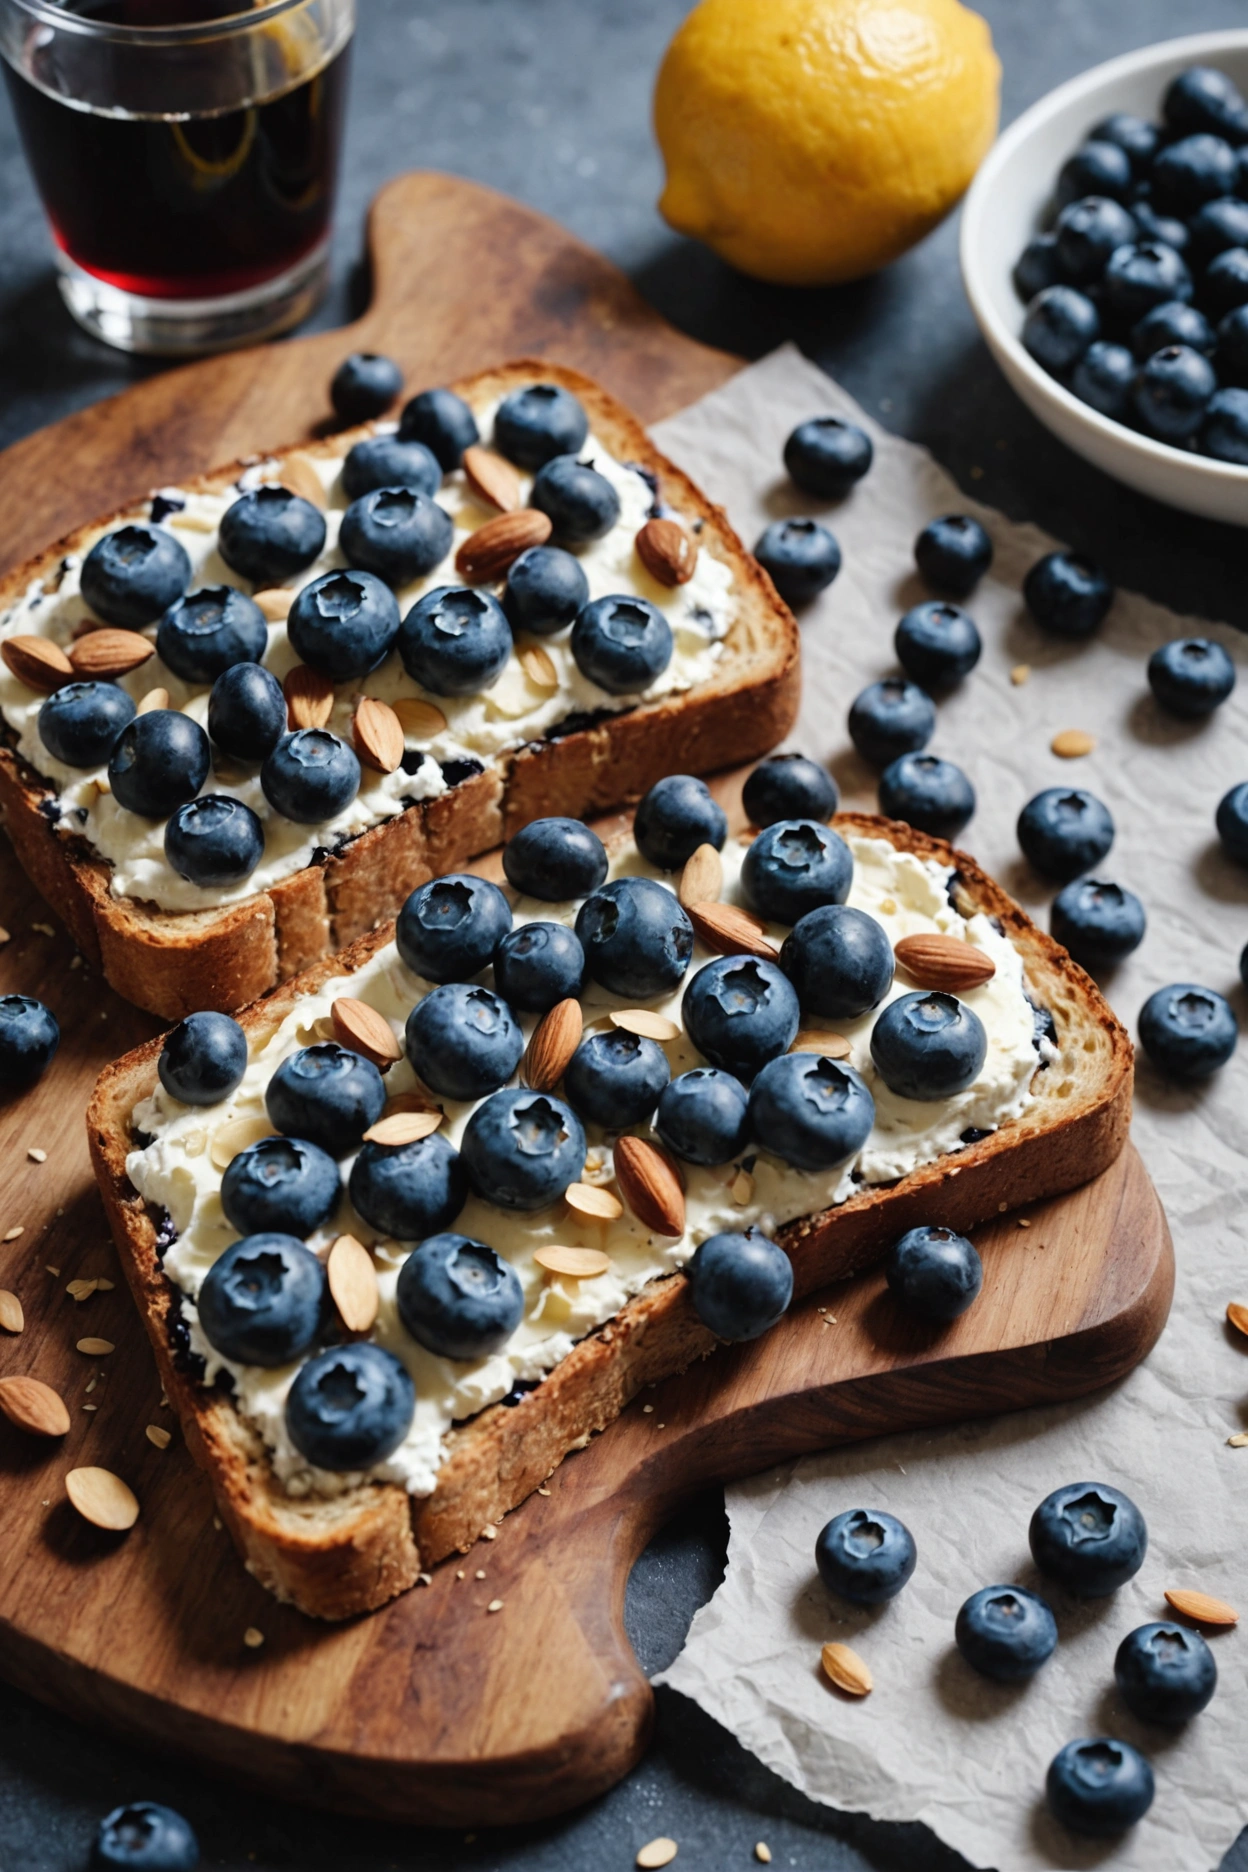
<point x="515" y="709"/>
<point x="909" y="896"/>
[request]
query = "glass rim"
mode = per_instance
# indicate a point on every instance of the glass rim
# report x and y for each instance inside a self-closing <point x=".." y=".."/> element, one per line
<point x="232" y="25"/>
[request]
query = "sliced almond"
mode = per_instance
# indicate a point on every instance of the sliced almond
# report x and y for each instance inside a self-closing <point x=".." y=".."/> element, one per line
<point x="646" y="1023"/>
<point x="730" y="931"/>
<point x="11" y="1316"/>
<point x="846" y="1670"/>
<point x="309" y="697"/>
<point x="742" y="1191"/>
<point x="702" y="879"/>
<point x="378" y="734"/>
<point x="353" y="1283"/>
<point x="944" y="963"/>
<point x="157" y="1435"/>
<point x="37" y="662"/>
<point x="1072" y="743"/>
<point x="239" y="1135"/>
<point x="95" y="1348"/>
<point x="829" y="1045"/>
<point x="667" y="552"/>
<point x="416" y="1100"/>
<point x="299" y="476"/>
<point x="102" y="1498"/>
<point x="33" y="1406"/>
<point x="403" y="1128"/>
<point x="107" y="654"/>
<point x="595" y="1204"/>
<point x="650" y="1186"/>
<point x="1237" y="1314"/>
<point x="1202" y="1609"/>
<point x="493" y="480"/>
<point x="422" y="720"/>
<point x="364" y="1030"/>
<point x="538" y="665"/>
<point x="555" y="1039"/>
<point x="154" y="699"/>
<point x="275" y="603"/>
<point x="488" y="553"/>
<point x="655" y="1853"/>
<point x="573" y="1263"/>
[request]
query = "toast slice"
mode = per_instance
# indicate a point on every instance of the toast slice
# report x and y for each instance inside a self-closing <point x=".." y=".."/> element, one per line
<point x="339" y="1556"/>
<point x="224" y="956"/>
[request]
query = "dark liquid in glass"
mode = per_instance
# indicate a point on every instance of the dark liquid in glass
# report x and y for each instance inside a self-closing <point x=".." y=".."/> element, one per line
<point x="187" y="207"/>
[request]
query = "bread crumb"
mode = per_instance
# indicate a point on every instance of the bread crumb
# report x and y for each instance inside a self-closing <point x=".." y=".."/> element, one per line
<point x="495" y="1605"/>
<point x="36" y="1155"/>
<point x="424" y="1579"/>
<point x="489" y="1533"/>
<point x="480" y="1572"/>
<point x="1023" y="1222"/>
<point x="647" y="1409"/>
<point x="1020" y="674"/>
<point x="543" y="1491"/>
<point x="44" y="929"/>
<point x="13" y="1233"/>
<point x="253" y="1638"/>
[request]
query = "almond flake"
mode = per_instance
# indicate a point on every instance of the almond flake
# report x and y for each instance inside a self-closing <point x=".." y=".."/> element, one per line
<point x="36" y="1155"/>
<point x="309" y="697"/>
<point x="275" y="603"/>
<point x="650" y="1186"/>
<point x="33" y="1406"/>
<point x="1239" y="1440"/>
<point x="489" y="552"/>
<point x="555" y="1039"/>
<point x="702" y="879"/>
<point x="762" y="1852"/>
<point x="378" y="734"/>
<point x="13" y="1233"/>
<point x="82" y="1289"/>
<point x="154" y="699"/>
<point x="573" y="1263"/>
<point x="12" y="1317"/>
<point x="646" y="1023"/>
<point x="237" y="1136"/>
<point x="102" y="1498"/>
<point x="96" y="1348"/>
<point x="596" y="1205"/>
<point x="742" y="1191"/>
<point x="299" y="476"/>
<point x="846" y="1670"/>
<point x="105" y="1286"/>
<point x="1202" y="1609"/>
<point x="944" y="963"/>
<point x="353" y="1283"/>
<point x="656" y="1852"/>
<point x="730" y="931"/>
<point x="1237" y="1314"/>
<point x="157" y="1435"/>
<point x="422" y="720"/>
<point x="4" y="935"/>
<point x="400" y="1128"/>
<point x="365" y="1031"/>
<point x="109" y="653"/>
<point x="192" y="522"/>
<point x="1072" y="743"/>
<point x="37" y="662"/>
<point x="538" y="666"/>
<point x="814" y="1040"/>
<point x="493" y="480"/>
<point x="667" y="552"/>
<point x="253" y="1638"/>
<point x="495" y="1605"/>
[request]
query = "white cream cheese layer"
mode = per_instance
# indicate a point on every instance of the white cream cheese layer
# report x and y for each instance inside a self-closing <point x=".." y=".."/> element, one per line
<point x="906" y="894"/>
<point x="515" y="709"/>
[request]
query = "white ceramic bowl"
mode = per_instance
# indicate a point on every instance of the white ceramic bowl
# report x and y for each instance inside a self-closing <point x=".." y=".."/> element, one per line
<point x="1002" y="212"/>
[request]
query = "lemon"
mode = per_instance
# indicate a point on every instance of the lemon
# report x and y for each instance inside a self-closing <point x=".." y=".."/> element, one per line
<point x="810" y="141"/>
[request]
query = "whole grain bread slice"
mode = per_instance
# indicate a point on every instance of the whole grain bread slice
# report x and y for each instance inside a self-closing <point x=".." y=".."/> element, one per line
<point x="173" y="963"/>
<point x="340" y="1557"/>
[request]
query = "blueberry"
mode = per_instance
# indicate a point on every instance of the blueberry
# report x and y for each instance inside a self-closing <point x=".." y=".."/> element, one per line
<point x="1173" y="323"/>
<point x="1099" y="1786"/>
<point x="811" y="1112"/>
<point x="545" y="589"/>
<point x="825" y="456"/>
<point x="1224" y="432"/>
<point x="261" y="1301"/>
<point x="928" y="793"/>
<point x="203" y="635"/>
<point x="145" y="1837"/>
<point x="1096" y="168"/>
<point x="443" y="422"/>
<point x="1067" y="594"/>
<point x="287" y="1184"/>
<point x="1232" y="822"/>
<point x="1006" y="1632"/>
<point x="740" y="1011"/>
<point x="522" y="1149"/>
<point x="1088" y="231"/>
<point x="621" y="643"/>
<point x="1243" y="965"/>
<point x="463" y="1041"/>
<point x="1165" y="1673"/>
<point x="344" y="624"/>
<point x="1154" y="227"/>
<point x="676" y="816"/>
<point x="800" y="557"/>
<point x="890" y="718"/>
<point x="788" y="786"/>
<point x="1231" y="358"/>
<point x="1037" y="267"/>
<point x="214" y="841"/>
<point x="203" y="1059"/>
<point x="533" y="425"/>
<point x="269" y="534"/>
<point x="29" y="1036"/>
<point x="1141" y="276"/>
<point x="159" y="761"/>
<point x="364" y="386"/>
<point x="1218" y="225"/>
<point x="327" y="1094"/>
<point x="79" y="723"/>
<point x="350" y="1407"/>
<point x="1203" y="98"/>
<point x="1099" y="923"/>
<point x="133" y="574"/>
<point x="555" y="859"/>
<point x="928" y="1045"/>
<point x="458" y="1298"/>
<point x="310" y="776"/>
<point x="614" y="1079"/>
<point x="865" y="1556"/>
<point x="1226" y="282"/>
<point x="397" y="533"/>
<point x="702" y="1116"/>
<point x="637" y="940"/>
<point x="385" y="462"/>
<point x="1059" y="325"/>
<point x="1089" y="1537"/>
<point x="1132" y="134"/>
<point x="454" y="641"/>
<point x="1188" y="1032"/>
<point x="934" y="1273"/>
<point x="1194" y="170"/>
<point x="953" y="552"/>
<point x="581" y="503"/>
<point x="1172" y="391"/>
<point x="247" y="712"/>
<point x="1104" y="378"/>
<point x="795" y="866"/>
<point x="1065" y="831"/>
<point x="839" y="960"/>
<point x="409" y="1190"/>
<point x="1191" y="676"/>
<point x="537" y="965"/>
<point x="740" y="1284"/>
<point x="937" y="643"/>
<point x="449" y="928"/>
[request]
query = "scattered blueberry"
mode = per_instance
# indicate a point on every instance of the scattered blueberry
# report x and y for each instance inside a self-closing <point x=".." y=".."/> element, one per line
<point x="865" y="1556"/>
<point x="458" y="1298"/>
<point x="1188" y="1032"/>
<point x="928" y="1045"/>
<point x="1141" y="276"/>
<point x="825" y="456"/>
<point x="1099" y="1787"/>
<point x="269" y="534"/>
<point x="1191" y="676"/>
<point x="214" y="841"/>
<point x="463" y="1041"/>
<point x="1099" y="923"/>
<point x="740" y="1011"/>
<point x="702" y="1116"/>
<point x="555" y="859"/>
<point x="285" y="1184"/>
<point x="1104" y="379"/>
<point x="1203" y="98"/>
<point x="788" y="786"/>
<point x="1232" y="822"/>
<point x="953" y="553"/>
<point x="327" y="1094"/>
<point x="676" y="816"/>
<point x="1218" y="225"/>
<point x="801" y="557"/>
<point x="1065" y="831"/>
<point x="80" y="722"/>
<point x="538" y="964"/>
<point x="890" y="718"/>
<point x="350" y="1408"/>
<point x="203" y="1059"/>
<point x="443" y="422"/>
<point x="1191" y="171"/>
<point x="1006" y="1632"/>
<point x="1139" y="139"/>
<point x="581" y="503"/>
<point x="1037" y="267"/>
<point x="364" y="386"/>
<point x="637" y="940"/>
<point x="1095" y="168"/>
<point x="1173" y="323"/>
<point x="143" y="1836"/>
<point x="455" y="641"/>
<point x="1067" y="594"/>
<point x="409" y="1191"/>
<point x="29" y="1036"/>
<point x="522" y="1149"/>
<point x="247" y="712"/>
<point x="795" y="866"/>
<point x="1088" y="232"/>
<point x="533" y="425"/>
<point x="839" y="961"/>
<point x="261" y="1301"/>
<point x="621" y="643"/>
<point x="1059" y="325"/>
<point x="545" y="589"/>
<point x="344" y="624"/>
<point x="1165" y="1673"/>
<point x="450" y="927"/>
<point x="740" y="1284"/>
<point x="937" y="643"/>
<point x="614" y="1078"/>
<point x="1089" y="1537"/>
<point x="203" y="635"/>
<point x="931" y="794"/>
<point x="811" y="1112"/>
<point x="386" y="462"/>
<point x="1172" y="390"/>
<point x="159" y="761"/>
<point x="934" y="1273"/>
<point x="1224" y="432"/>
<point x="310" y="776"/>
<point x="397" y="533"/>
<point x="134" y="574"/>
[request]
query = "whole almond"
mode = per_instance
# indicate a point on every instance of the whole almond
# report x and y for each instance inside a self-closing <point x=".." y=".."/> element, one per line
<point x="353" y="1283"/>
<point x="378" y="734"/>
<point x="650" y="1186"/>
<point x="667" y="552"/>
<point x="1202" y="1609"/>
<point x="846" y="1670"/>
<point x="943" y="962"/>
<point x="102" y="1498"/>
<point x="730" y="931"/>
<point x="573" y="1263"/>
<point x="403" y="1127"/>
<point x="365" y="1031"/>
<point x="12" y="1318"/>
<point x="419" y="718"/>
<point x="298" y="476"/>
<point x="592" y="1203"/>
<point x="493" y="480"/>
<point x="309" y="697"/>
<point x="106" y="654"/>
<point x="488" y="553"/>
<point x="555" y="1039"/>
<point x="154" y="699"/>
<point x="37" y="662"/>
<point x="1237" y="1314"/>
<point x="33" y="1406"/>
<point x="702" y="879"/>
<point x="275" y="603"/>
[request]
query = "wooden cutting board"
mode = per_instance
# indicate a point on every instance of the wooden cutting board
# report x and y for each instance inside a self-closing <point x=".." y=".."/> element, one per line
<point x="434" y="1709"/>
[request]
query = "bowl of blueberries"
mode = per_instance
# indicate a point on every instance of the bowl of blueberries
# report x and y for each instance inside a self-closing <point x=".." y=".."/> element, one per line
<point x="1105" y="255"/>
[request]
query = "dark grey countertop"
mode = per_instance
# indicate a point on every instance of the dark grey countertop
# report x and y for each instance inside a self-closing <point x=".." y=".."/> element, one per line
<point x="549" y="100"/>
